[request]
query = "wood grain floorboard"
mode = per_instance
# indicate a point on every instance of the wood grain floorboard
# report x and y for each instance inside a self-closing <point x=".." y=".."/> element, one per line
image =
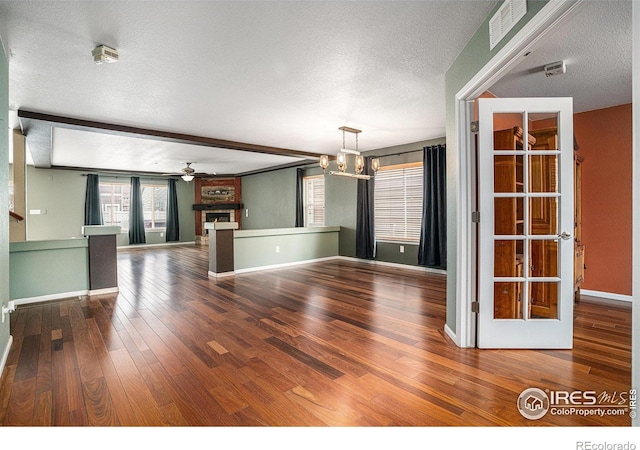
<point x="333" y="343"/>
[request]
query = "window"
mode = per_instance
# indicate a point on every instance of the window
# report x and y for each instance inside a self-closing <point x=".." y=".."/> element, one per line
<point x="314" y="201"/>
<point x="154" y="206"/>
<point x="115" y="201"/>
<point x="398" y="203"/>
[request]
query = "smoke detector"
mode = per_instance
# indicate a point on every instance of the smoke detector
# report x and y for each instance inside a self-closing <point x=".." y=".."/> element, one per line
<point x="103" y="54"/>
<point x="556" y="68"/>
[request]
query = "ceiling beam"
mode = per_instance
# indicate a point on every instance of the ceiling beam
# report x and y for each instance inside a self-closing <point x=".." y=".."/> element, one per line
<point x="27" y="118"/>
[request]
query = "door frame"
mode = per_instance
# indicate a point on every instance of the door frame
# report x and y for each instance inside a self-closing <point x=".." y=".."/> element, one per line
<point x="552" y="15"/>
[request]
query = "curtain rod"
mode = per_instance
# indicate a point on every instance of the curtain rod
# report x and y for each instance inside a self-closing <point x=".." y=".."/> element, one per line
<point x="406" y="151"/>
<point x="102" y="174"/>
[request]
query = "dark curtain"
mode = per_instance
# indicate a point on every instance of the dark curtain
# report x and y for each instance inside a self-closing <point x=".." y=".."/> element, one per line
<point x="173" y="226"/>
<point x="432" y="251"/>
<point x="92" y="208"/>
<point x="365" y="229"/>
<point x="300" y="198"/>
<point x="136" y="214"/>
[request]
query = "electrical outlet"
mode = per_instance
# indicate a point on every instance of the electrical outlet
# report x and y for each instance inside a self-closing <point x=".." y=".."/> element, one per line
<point x="161" y="234"/>
<point x="277" y="249"/>
<point x="402" y="249"/>
<point x="246" y="212"/>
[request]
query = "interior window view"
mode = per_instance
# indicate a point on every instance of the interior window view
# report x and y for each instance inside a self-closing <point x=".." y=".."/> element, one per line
<point x="319" y="217"/>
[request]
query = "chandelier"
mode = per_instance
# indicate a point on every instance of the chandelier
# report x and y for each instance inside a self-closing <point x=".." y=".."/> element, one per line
<point x="341" y="159"/>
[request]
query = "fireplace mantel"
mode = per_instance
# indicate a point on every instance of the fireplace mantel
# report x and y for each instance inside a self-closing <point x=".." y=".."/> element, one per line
<point x="217" y="206"/>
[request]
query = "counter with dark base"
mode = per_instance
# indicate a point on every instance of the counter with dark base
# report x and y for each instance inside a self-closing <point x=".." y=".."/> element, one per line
<point x="221" y="262"/>
<point x="103" y="258"/>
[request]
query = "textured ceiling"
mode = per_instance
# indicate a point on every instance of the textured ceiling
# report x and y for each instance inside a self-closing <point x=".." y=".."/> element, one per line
<point x="278" y="73"/>
<point x="596" y="47"/>
<point x="282" y="74"/>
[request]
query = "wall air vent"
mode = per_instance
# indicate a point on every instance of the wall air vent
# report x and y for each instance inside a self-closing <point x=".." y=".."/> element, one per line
<point x="505" y="19"/>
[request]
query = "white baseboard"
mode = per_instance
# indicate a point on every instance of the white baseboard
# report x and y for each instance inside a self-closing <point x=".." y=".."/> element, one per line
<point x="5" y="355"/>
<point x="289" y="264"/>
<point x="451" y="334"/>
<point x="345" y="258"/>
<point x="397" y="265"/>
<point x="46" y="298"/>
<point x="221" y="274"/>
<point x="607" y="295"/>
<point x="111" y="290"/>
<point x="65" y="295"/>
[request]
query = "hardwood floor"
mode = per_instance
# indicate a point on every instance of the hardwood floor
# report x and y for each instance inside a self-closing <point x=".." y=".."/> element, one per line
<point x="335" y="343"/>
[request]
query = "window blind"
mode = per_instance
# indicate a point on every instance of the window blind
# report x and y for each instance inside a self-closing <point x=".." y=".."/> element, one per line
<point x="314" y="201"/>
<point x="154" y="206"/>
<point x="115" y="200"/>
<point x="398" y="203"/>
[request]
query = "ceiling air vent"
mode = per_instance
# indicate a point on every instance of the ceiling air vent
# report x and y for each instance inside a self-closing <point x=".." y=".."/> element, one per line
<point x="504" y="20"/>
<point x="103" y="54"/>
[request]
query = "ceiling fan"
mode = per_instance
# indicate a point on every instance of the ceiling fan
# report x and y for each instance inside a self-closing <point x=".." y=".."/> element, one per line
<point x="188" y="173"/>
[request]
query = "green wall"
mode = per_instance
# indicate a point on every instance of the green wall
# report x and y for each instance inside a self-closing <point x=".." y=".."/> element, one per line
<point x="270" y="198"/>
<point x="254" y="248"/>
<point x="61" y="193"/>
<point x="259" y="190"/>
<point x="340" y="197"/>
<point x="468" y="63"/>
<point x="4" y="196"/>
<point x="65" y="263"/>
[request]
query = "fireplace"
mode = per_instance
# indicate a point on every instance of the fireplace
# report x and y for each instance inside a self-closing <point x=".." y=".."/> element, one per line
<point x="216" y="200"/>
<point x="218" y="217"/>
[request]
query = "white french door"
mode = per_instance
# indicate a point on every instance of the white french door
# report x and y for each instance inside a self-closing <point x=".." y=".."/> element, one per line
<point x="525" y="250"/>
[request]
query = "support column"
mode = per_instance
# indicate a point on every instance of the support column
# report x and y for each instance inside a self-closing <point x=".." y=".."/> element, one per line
<point x="103" y="258"/>
<point x="221" y="261"/>
<point x="18" y="228"/>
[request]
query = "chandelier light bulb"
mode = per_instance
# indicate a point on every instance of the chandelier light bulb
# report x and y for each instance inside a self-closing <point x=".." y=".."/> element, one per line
<point x="342" y="161"/>
<point x="324" y="161"/>
<point x="359" y="163"/>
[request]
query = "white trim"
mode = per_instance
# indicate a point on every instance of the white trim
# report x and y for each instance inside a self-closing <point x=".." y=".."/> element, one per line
<point x="221" y="274"/>
<point x="508" y="57"/>
<point x="65" y="295"/>
<point x="465" y="230"/>
<point x="609" y="295"/>
<point x="544" y="22"/>
<point x="5" y="356"/>
<point x="392" y="264"/>
<point x="451" y="334"/>
<point x="111" y="290"/>
<point x="344" y="258"/>
<point x="282" y="265"/>
<point x="46" y="298"/>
